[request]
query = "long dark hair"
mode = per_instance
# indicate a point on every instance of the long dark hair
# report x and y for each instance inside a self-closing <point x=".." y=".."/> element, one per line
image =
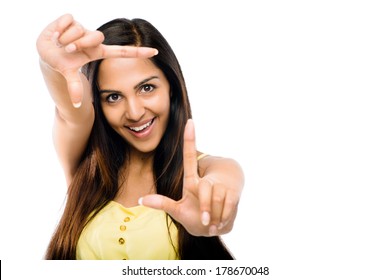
<point x="96" y="180"/>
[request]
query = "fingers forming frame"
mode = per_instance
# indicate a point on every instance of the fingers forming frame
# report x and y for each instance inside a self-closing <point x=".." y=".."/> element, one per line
<point x="75" y="87"/>
<point x="229" y="209"/>
<point x="110" y="51"/>
<point x="89" y="39"/>
<point x="60" y="26"/>
<point x="190" y="162"/>
<point x="73" y="36"/>
<point x="218" y="206"/>
<point x="205" y="189"/>
<point x="70" y="35"/>
<point x="214" y="211"/>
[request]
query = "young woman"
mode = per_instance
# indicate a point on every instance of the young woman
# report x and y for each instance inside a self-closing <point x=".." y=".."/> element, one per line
<point x="138" y="188"/>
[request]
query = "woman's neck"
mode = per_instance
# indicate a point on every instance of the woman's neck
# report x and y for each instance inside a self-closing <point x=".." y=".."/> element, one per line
<point x="136" y="179"/>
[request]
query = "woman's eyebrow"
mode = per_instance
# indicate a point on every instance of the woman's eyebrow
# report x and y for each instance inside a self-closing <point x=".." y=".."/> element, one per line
<point x="145" y="81"/>
<point x="101" y="91"/>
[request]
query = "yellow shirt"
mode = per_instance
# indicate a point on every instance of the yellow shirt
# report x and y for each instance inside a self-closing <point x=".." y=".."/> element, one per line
<point x="137" y="233"/>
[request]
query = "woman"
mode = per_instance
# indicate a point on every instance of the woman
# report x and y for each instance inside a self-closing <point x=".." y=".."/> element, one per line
<point x="138" y="189"/>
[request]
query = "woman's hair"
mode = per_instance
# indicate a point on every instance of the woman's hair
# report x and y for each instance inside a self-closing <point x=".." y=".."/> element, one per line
<point x="96" y="181"/>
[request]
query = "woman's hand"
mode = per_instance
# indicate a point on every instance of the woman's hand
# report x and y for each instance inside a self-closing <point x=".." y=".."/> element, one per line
<point x="65" y="46"/>
<point x="209" y="204"/>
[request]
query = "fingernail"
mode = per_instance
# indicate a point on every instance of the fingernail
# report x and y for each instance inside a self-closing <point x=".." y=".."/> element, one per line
<point x="220" y="226"/>
<point x="77" y="105"/>
<point x="205" y="218"/>
<point x="70" y="48"/>
<point x="147" y="52"/>
<point x="140" y="200"/>
<point x="213" y="230"/>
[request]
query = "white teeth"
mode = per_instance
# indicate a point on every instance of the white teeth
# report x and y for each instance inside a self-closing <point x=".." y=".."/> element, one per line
<point x="142" y="127"/>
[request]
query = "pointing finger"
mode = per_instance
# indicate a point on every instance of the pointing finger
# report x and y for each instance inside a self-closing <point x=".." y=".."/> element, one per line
<point x="190" y="162"/>
<point x="113" y="51"/>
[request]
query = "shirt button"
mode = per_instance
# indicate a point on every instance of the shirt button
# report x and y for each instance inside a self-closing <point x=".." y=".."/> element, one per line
<point x="121" y="241"/>
<point x="127" y="219"/>
<point x="122" y="228"/>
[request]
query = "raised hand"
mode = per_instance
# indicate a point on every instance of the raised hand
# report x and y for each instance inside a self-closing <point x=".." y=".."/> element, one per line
<point x="207" y="207"/>
<point x="65" y="45"/>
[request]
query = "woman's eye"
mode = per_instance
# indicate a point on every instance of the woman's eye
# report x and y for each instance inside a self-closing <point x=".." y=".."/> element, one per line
<point x="113" y="98"/>
<point x="147" y="88"/>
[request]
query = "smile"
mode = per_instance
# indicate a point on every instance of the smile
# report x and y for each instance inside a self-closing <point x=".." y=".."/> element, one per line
<point x="142" y="127"/>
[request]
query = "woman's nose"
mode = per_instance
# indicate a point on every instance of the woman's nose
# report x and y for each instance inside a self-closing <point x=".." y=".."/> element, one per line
<point x="135" y="108"/>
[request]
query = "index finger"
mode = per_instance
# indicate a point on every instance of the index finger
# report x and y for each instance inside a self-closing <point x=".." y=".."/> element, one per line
<point x="190" y="162"/>
<point x="115" y="51"/>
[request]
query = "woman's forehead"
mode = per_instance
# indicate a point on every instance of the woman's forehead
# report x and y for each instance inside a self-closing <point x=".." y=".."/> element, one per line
<point x="129" y="71"/>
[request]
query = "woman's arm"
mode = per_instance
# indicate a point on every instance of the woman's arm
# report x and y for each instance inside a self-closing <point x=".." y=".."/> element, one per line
<point x="64" y="46"/>
<point x="72" y="126"/>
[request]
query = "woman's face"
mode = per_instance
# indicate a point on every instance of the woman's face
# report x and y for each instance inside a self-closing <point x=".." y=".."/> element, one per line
<point x="135" y="100"/>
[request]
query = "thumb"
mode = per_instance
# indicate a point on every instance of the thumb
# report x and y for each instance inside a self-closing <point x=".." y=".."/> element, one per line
<point x="75" y="87"/>
<point x="160" y="202"/>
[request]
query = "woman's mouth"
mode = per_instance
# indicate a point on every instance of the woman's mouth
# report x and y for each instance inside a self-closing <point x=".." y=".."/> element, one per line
<point x="142" y="130"/>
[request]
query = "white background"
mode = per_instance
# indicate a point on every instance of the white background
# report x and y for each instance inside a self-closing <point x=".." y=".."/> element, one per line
<point x="296" y="91"/>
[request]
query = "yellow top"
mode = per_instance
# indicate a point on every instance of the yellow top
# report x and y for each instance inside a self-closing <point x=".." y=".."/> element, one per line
<point x="135" y="233"/>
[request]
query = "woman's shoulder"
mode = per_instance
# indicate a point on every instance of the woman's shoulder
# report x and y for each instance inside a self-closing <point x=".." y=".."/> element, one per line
<point x="201" y="155"/>
<point x="207" y="161"/>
